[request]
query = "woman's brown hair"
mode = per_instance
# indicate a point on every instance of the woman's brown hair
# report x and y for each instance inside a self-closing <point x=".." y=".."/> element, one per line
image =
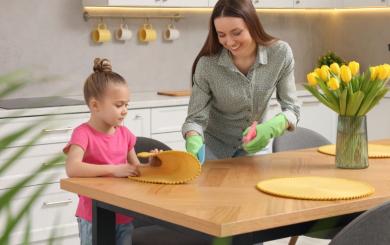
<point x="102" y="76"/>
<point x="243" y="9"/>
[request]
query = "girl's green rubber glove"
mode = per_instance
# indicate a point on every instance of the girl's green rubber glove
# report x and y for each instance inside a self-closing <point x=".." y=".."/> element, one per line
<point x="264" y="132"/>
<point x="195" y="146"/>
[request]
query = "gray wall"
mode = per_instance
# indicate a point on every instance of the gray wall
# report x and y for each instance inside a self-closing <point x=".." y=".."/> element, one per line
<point x="50" y="37"/>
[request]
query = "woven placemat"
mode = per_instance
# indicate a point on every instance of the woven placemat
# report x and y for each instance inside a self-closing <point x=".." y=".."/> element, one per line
<point x="374" y="150"/>
<point x="316" y="188"/>
<point x="176" y="167"/>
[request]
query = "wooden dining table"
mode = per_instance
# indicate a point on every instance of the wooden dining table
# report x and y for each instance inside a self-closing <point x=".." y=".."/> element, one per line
<point x="224" y="202"/>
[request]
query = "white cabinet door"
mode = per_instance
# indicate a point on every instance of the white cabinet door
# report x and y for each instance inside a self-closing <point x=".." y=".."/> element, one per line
<point x="378" y="120"/>
<point x="53" y="209"/>
<point x="174" y="140"/>
<point x="273" y="3"/>
<point x="138" y="122"/>
<point x="364" y="3"/>
<point x="168" y="119"/>
<point x="317" y="117"/>
<point x="212" y="3"/>
<point x="185" y="3"/>
<point x="316" y="3"/>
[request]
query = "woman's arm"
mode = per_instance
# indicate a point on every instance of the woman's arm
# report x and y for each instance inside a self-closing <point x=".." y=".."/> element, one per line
<point x="286" y="91"/>
<point x="75" y="167"/>
<point x="199" y="105"/>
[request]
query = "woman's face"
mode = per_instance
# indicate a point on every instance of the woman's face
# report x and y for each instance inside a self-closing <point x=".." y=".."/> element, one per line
<point x="234" y="35"/>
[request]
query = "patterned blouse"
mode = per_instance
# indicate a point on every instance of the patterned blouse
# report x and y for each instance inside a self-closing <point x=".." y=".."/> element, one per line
<point x="224" y="102"/>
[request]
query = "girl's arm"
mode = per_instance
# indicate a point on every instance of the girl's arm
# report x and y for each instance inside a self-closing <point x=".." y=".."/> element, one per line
<point x="75" y="167"/>
<point x="132" y="158"/>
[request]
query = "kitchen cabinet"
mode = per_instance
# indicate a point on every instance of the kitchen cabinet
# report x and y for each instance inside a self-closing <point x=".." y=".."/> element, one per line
<point x="212" y="3"/>
<point x="147" y="3"/>
<point x="55" y="208"/>
<point x="273" y="3"/>
<point x="364" y="3"/>
<point x="378" y="120"/>
<point x="138" y="121"/>
<point x="316" y="4"/>
<point x="185" y="3"/>
<point x="166" y="123"/>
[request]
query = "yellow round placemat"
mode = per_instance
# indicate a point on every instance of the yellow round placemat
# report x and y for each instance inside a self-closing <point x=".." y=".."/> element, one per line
<point x="374" y="150"/>
<point x="316" y="188"/>
<point x="176" y="167"/>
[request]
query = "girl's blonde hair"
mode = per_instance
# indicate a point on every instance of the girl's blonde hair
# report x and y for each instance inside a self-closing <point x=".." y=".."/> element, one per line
<point x="98" y="81"/>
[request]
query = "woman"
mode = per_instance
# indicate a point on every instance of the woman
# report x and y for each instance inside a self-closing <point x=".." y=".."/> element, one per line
<point x="234" y="76"/>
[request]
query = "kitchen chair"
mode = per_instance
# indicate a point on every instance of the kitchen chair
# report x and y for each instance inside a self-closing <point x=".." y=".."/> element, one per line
<point x="148" y="144"/>
<point x="148" y="231"/>
<point x="301" y="138"/>
<point x="371" y="227"/>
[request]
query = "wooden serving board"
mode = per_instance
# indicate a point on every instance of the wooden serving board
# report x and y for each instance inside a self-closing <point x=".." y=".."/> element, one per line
<point x="175" y="93"/>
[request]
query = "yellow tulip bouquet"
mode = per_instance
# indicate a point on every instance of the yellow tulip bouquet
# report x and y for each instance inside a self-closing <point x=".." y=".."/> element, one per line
<point x="351" y="94"/>
<point x="347" y="91"/>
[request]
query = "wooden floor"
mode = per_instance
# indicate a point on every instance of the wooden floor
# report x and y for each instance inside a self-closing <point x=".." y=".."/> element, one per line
<point x="302" y="240"/>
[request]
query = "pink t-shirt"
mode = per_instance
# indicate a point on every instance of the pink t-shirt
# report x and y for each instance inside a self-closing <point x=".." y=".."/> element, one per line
<point x="101" y="148"/>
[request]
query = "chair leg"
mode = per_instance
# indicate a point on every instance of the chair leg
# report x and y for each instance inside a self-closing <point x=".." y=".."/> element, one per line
<point x="293" y="240"/>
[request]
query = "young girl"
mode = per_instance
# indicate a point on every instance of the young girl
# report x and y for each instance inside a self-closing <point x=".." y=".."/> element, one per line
<point x="102" y="146"/>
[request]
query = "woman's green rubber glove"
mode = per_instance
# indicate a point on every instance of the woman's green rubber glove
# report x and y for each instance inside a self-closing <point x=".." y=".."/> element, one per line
<point x="264" y="132"/>
<point x="195" y="146"/>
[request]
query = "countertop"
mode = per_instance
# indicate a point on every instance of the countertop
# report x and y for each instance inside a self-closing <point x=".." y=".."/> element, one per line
<point x="137" y="101"/>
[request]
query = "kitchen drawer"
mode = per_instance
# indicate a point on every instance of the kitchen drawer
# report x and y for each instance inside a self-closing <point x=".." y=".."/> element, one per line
<point x="138" y="122"/>
<point x="53" y="129"/>
<point x="54" y="208"/>
<point x="168" y="119"/>
<point x="35" y="157"/>
<point x="174" y="140"/>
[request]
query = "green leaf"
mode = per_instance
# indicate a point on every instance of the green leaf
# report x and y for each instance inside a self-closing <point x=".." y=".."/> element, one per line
<point x="320" y="97"/>
<point x="354" y="102"/>
<point x="26" y="237"/>
<point x="343" y="102"/>
<point x="373" y="91"/>
<point x="12" y="192"/>
<point x="330" y="97"/>
<point x="375" y="101"/>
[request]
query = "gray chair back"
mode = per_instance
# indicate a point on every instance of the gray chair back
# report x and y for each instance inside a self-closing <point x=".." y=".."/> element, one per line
<point x="300" y="138"/>
<point x="148" y="144"/>
<point x="371" y="227"/>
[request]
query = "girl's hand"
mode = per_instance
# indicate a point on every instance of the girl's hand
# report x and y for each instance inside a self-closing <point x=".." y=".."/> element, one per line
<point x="155" y="161"/>
<point x="124" y="170"/>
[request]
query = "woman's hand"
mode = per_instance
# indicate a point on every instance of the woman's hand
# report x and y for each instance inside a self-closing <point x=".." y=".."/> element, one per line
<point x="155" y="161"/>
<point x="124" y="170"/>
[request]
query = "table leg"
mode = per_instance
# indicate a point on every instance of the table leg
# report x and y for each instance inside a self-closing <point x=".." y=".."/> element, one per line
<point x="103" y="225"/>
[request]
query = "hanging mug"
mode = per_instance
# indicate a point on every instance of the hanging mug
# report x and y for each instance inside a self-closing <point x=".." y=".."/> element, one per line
<point x="123" y="33"/>
<point x="101" y="34"/>
<point x="171" y="33"/>
<point x="146" y="33"/>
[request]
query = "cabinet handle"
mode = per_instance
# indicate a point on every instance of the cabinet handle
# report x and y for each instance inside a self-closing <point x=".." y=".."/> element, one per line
<point x="54" y="164"/>
<point x="137" y="117"/>
<point x="48" y="204"/>
<point x="46" y="130"/>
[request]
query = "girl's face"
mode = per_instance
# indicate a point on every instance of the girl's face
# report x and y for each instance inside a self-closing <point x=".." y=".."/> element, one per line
<point x="112" y="107"/>
<point x="233" y="34"/>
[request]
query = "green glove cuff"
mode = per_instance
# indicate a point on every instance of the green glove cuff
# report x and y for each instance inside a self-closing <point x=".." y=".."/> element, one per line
<point x="193" y="144"/>
<point x="264" y="132"/>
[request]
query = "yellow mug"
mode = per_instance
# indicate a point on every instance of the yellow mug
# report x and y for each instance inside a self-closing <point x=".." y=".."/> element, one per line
<point x="101" y="34"/>
<point x="146" y="33"/>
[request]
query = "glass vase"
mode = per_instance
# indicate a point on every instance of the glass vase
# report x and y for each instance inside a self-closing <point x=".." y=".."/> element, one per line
<point x="351" y="142"/>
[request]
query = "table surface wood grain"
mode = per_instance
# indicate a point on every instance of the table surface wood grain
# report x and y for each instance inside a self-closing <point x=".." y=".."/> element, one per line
<point x="224" y="201"/>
